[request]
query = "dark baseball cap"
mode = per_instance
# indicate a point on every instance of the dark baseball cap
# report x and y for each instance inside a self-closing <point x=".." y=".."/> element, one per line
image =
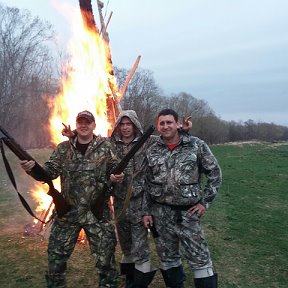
<point x="87" y="115"/>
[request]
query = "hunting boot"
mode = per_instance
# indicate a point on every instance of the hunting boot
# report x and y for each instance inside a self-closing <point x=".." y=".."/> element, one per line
<point x="127" y="269"/>
<point x="55" y="280"/>
<point x="207" y="282"/>
<point x="108" y="280"/>
<point x="174" y="277"/>
<point x="141" y="279"/>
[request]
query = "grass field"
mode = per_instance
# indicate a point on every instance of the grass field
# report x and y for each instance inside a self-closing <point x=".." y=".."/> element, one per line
<point x="246" y="227"/>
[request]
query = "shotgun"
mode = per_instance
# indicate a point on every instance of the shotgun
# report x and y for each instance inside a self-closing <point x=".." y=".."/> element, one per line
<point x="61" y="206"/>
<point x="97" y="206"/>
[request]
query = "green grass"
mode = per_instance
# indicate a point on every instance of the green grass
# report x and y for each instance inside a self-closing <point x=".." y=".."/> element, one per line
<point x="246" y="227"/>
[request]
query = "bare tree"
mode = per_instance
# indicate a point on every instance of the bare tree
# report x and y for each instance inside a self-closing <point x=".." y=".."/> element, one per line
<point x="142" y="95"/>
<point x="26" y="72"/>
<point x="185" y="104"/>
<point x="146" y="98"/>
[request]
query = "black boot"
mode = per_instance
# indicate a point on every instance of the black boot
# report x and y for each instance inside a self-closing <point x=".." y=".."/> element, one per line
<point x="174" y="277"/>
<point x="142" y="280"/>
<point x="129" y="281"/>
<point x="55" y="280"/>
<point x="127" y="269"/>
<point x="108" y="280"/>
<point x="207" y="282"/>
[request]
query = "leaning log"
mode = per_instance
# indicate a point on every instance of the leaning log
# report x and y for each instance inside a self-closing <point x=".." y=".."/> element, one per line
<point x="87" y="15"/>
<point x="130" y="75"/>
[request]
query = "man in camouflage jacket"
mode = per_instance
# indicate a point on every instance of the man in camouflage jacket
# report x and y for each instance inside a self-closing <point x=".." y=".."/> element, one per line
<point x="175" y="196"/>
<point x="83" y="164"/>
<point x="135" y="263"/>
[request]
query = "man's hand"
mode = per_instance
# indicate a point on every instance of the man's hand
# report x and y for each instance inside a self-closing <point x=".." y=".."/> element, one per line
<point x="186" y="123"/>
<point x="199" y="209"/>
<point x="67" y="132"/>
<point x="117" y="178"/>
<point x="147" y="221"/>
<point x="27" y="165"/>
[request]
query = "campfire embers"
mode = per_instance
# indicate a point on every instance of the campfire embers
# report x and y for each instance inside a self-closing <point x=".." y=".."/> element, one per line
<point x="31" y="230"/>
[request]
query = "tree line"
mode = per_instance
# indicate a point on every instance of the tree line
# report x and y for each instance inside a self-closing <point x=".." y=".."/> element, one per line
<point x="29" y="75"/>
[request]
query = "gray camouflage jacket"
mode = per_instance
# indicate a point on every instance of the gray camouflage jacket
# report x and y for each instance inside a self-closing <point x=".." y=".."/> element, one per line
<point x="122" y="149"/>
<point x="175" y="177"/>
<point x="133" y="174"/>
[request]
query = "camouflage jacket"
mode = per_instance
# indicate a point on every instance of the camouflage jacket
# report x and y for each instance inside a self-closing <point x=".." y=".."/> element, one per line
<point x="82" y="176"/>
<point x="175" y="177"/>
<point x="122" y="149"/>
<point x="134" y="178"/>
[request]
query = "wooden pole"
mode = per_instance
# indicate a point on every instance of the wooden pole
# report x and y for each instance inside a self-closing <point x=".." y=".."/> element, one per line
<point x="130" y="75"/>
<point x="113" y="106"/>
<point x="87" y="15"/>
<point x="104" y="28"/>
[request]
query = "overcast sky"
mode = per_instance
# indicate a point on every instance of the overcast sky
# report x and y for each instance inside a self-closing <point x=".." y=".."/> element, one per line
<point x="231" y="53"/>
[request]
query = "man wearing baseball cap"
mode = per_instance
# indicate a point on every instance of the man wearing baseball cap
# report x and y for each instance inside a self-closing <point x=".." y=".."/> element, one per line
<point x="83" y="164"/>
<point x="86" y="115"/>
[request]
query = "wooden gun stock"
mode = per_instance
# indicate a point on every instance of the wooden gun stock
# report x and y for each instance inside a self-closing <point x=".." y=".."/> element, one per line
<point x="61" y="206"/>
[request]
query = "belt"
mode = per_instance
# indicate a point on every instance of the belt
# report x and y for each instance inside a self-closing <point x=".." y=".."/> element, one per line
<point x="180" y="207"/>
<point x="177" y="209"/>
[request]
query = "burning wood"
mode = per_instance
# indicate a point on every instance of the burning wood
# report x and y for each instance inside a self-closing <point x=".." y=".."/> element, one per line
<point x="39" y="227"/>
<point x="87" y="15"/>
<point x="89" y="84"/>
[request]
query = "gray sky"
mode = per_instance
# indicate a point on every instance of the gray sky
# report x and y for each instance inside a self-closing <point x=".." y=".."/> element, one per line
<point x="231" y="53"/>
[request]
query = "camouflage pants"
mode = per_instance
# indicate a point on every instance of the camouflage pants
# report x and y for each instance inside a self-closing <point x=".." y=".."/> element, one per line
<point x="124" y="233"/>
<point x="133" y="240"/>
<point x="102" y="242"/>
<point x="176" y="227"/>
<point x="140" y="248"/>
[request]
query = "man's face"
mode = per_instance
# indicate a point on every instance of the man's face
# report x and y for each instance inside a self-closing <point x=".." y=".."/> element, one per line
<point x="126" y="128"/>
<point x="84" y="127"/>
<point x="168" y="127"/>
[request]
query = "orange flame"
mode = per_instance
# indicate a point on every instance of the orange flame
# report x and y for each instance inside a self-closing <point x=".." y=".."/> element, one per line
<point x="39" y="193"/>
<point x="87" y="82"/>
<point x="86" y="85"/>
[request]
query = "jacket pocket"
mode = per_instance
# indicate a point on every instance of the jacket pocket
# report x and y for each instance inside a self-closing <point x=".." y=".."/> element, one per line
<point x="190" y="191"/>
<point x="155" y="189"/>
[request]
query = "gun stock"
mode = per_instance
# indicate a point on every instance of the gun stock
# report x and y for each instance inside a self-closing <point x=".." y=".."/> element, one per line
<point x="61" y="206"/>
<point x="97" y="207"/>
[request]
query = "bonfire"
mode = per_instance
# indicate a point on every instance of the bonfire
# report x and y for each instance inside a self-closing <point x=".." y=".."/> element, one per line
<point x="88" y="84"/>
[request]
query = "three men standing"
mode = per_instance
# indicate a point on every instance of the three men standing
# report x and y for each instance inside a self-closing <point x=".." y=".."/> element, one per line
<point x="167" y="189"/>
